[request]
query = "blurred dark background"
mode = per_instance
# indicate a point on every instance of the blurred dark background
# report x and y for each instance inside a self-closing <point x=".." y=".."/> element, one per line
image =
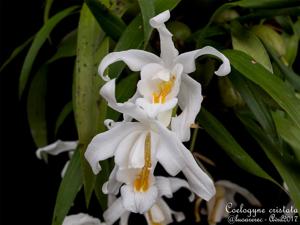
<point x="28" y="185"/>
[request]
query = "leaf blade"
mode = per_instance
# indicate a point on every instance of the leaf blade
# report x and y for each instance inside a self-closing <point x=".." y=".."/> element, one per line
<point x="220" y="134"/>
<point x="37" y="43"/>
<point x="68" y="189"/>
<point x="267" y="81"/>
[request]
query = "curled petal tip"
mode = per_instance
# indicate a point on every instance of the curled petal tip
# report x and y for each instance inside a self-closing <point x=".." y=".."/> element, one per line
<point x="224" y="69"/>
<point x="160" y="19"/>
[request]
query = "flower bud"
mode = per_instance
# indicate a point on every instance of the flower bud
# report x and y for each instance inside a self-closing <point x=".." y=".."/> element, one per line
<point x="229" y="96"/>
<point x="226" y="15"/>
<point x="270" y="37"/>
<point x="180" y="31"/>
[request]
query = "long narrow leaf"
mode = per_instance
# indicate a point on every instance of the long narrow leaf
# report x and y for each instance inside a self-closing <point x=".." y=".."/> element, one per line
<point x="287" y="167"/>
<point x="66" y="48"/>
<point x="16" y="52"/>
<point x="245" y="41"/>
<point x="38" y="41"/>
<point x="147" y="10"/>
<point x="273" y="85"/>
<point x="68" y="189"/>
<point x="47" y="9"/>
<point x="255" y="103"/>
<point x="87" y="101"/>
<point x="68" y="108"/>
<point x="36" y="107"/>
<point x="220" y="134"/>
<point x="112" y="25"/>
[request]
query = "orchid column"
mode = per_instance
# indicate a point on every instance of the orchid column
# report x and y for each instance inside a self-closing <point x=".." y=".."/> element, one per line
<point x="149" y="134"/>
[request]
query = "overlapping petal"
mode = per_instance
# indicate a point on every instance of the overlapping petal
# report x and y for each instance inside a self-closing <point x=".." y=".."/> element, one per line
<point x="189" y="99"/>
<point x="135" y="60"/>
<point x="187" y="59"/>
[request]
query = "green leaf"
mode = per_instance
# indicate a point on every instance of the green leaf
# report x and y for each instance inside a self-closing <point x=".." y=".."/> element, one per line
<point x="287" y="167"/>
<point x="290" y="75"/>
<point x="266" y="3"/>
<point x="66" y="48"/>
<point x="250" y="4"/>
<point x="100" y="180"/>
<point x="132" y="37"/>
<point x="255" y="103"/>
<point x="147" y="10"/>
<point x="68" y="108"/>
<point x="273" y="85"/>
<point x="125" y="90"/>
<point x="36" y="108"/>
<point x="38" y="41"/>
<point x="292" y="44"/>
<point x="112" y="25"/>
<point x="68" y="189"/>
<point x="270" y="13"/>
<point x="88" y="104"/>
<point x="247" y="42"/>
<point x="47" y="9"/>
<point x="16" y="52"/>
<point x="163" y="5"/>
<point x="222" y="136"/>
<point x="288" y="131"/>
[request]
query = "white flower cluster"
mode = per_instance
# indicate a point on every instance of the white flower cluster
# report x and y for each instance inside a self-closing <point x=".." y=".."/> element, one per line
<point x="149" y="134"/>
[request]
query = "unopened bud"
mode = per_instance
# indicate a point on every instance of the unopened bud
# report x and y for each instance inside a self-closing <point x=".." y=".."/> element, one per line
<point x="270" y="37"/>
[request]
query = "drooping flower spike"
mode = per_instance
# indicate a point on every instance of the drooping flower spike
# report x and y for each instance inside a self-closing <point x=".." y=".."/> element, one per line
<point x="159" y="213"/>
<point x="164" y="80"/>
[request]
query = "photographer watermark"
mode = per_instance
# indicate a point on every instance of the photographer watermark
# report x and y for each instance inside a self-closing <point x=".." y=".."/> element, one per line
<point x="242" y="214"/>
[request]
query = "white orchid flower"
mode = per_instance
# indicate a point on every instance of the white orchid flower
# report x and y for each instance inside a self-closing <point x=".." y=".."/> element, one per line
<point x="140" y="145"/>
<point x="164" y="80"/>
<point x="56" y="148"/>
<point x="159" y="213"/>
<point x="81" y="219"/>
<point x="225" y="192"/>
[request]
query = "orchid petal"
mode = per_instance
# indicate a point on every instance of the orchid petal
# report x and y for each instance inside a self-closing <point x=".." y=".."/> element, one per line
<point x="64" y="170"/>
<point x="124" y="218"/>
<point x="154" y="109"/>
<point x="182" y="159"/>
<point x="128" y="108"/>
<point x="163" y="186"/>
<point x="168" y="50"/>
<point x="81" y="219"/>
<point x="112" y="186"/>
<point x="136" y="156"/>
<point x="242" y="191"/>
<point x="177" y="183"/>
<point x="165" y="117"/>
<point x="124" y="148"/>
<point x="138" y="202"/>
<point x="157" y="214"/>
<point x="216" y="208"/>
<point x="187" y="59"/>
<point x="166" y="211"/>
<point x="189" y="100"/>
<point x="57" y="148"/>
<point x="114" y="211"/>
<point x="104" y="145"/>
<point x="135" y="60"/>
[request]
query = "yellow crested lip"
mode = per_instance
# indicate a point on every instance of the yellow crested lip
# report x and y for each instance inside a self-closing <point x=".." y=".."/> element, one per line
<point x="164" y="88"/>
<point x="142" y="183"/>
